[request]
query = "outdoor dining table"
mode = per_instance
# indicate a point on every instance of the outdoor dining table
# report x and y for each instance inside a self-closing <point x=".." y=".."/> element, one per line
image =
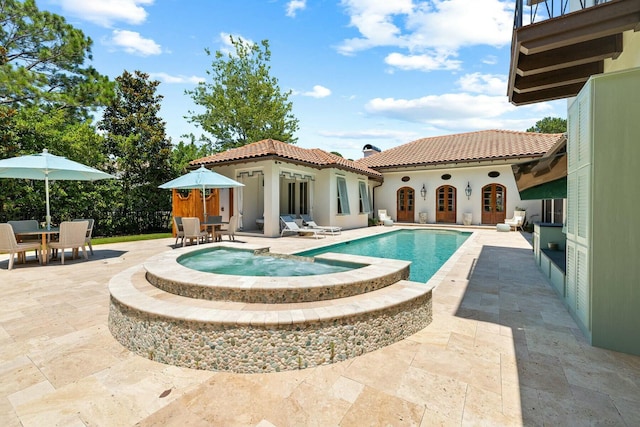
<point x="213" y="228"/>
<point x="46" y="233"/>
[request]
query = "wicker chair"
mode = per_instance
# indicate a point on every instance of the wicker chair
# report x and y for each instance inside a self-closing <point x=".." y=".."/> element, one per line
<point x="73" y="235"/>
<point x="9" y="244"/>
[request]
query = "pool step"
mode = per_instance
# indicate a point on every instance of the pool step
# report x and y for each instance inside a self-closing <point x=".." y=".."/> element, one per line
<point x="250" y="337"/>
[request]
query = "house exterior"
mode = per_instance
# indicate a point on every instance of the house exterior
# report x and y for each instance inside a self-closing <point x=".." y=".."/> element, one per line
<point x="461" y="178"/>
<point x="283" y="179"/>
<point x="590" y="55"/>
<point x="453" y="179"/>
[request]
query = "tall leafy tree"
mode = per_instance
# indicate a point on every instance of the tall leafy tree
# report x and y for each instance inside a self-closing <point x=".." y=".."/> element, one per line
<point x="42" y="61"/>
<point x="243" y="102"/>
<point x="135" y="138"/>
<point x="549" y="125"/>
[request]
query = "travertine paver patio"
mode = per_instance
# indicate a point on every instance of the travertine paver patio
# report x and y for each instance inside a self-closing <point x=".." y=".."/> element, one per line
<point x="501" y="350"/>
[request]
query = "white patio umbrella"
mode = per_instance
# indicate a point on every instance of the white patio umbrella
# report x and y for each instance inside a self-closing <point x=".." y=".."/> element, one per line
<point x="201" y="178"/>
<point x="45" y="166"/>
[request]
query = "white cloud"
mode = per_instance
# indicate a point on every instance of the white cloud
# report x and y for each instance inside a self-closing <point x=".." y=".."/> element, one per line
<point x="489" y="84"/>
<point x="490" y="60"/>
<point x="383" y="134"/>
<point x="294" y="6"/>
<point x="132" y="42"/>
<point x="227" y="47"/>
<point x="424" y="62"/>
<point x="107" y="12"/>
<point x="167" y="78"/>
<point x="458" y="112"/>
<point x="423" y="26"/>
<point x="317" y="92"/>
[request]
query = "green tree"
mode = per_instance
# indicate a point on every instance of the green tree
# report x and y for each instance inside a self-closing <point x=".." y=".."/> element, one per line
<point x="184" y="152"/>
<point x="243" y="103"/>
<point x="549" y="125"/>
<point x="42" y="61"/>
<point x="135" y="138"/>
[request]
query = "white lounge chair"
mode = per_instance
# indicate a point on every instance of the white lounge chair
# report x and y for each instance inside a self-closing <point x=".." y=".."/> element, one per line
<point x="73" y="235"/>
<point x="325" y="229"/>
<point x="9" y="244"/>
<point x="384" y="218"/>
<point x="290" y="226"/>
<point x="192" y="231"/>
<point x="516" y="222"/>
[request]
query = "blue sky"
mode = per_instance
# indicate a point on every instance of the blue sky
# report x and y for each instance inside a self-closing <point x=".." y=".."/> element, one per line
<point x="362" y="72"/>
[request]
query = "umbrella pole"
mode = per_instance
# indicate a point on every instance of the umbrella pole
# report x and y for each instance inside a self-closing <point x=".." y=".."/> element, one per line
<point x="204" y="206"/>
<point x="46" y="192"/>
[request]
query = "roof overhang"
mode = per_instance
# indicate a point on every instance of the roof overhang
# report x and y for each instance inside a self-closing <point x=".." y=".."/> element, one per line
<point x="554" y="58"/>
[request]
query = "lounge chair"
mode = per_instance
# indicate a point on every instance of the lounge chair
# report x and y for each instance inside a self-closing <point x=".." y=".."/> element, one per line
<point x="290" y="226"/>
<point x="9" y="244"/>
<point x="325" y="229"/>
<point x="73" y="235"/>
<point x="384" y="218"/>
<point x="192" y="231"/>
<point x="89" y="232"/>
<point x="516" y="222"/>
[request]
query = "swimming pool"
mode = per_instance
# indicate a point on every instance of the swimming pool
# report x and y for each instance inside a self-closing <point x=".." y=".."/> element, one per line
<point x="247" y="263"/>
<point x="427" y="250"/>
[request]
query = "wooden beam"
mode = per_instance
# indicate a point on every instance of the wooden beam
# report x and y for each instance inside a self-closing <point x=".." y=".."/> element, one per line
<point x="557" y="78"/>
<point x="570" y="56"/>
<point x="545" y="94"/>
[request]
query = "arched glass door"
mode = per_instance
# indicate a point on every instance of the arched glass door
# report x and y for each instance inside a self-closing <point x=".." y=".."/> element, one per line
<point x="494" y="200"/>
<point x="405" y="205"/>
<point x="446" y="204"/>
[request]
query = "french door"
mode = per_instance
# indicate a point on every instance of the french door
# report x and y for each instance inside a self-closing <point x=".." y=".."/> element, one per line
<point x="494" y="200"/>
<point x="446" y="204"/>
<point x="405" y="204"/>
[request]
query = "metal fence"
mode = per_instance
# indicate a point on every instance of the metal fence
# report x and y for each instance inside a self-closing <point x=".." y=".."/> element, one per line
<point x="113" y="223"/>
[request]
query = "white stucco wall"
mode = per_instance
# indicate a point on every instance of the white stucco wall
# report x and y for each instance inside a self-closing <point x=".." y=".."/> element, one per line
<point x="476" y="176"/>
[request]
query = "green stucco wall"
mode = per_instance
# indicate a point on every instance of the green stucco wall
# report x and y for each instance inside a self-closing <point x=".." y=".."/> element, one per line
<point x="615" y="210"/>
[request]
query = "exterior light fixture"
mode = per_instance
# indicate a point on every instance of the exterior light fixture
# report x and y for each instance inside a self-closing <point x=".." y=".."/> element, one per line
<point x="423" y="192"/>
<point x="467" y="191"/>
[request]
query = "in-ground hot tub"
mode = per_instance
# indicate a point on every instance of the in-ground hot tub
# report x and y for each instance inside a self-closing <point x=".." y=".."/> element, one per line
<point x="180" y="316"/>
<point x="240" y="262"/>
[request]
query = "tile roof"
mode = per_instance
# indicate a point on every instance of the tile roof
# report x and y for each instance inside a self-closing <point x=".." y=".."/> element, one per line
<point x="463" y="147"/>
<point x="313" y="157"/>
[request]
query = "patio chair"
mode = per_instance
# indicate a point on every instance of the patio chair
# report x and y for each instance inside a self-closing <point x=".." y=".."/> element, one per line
<point x="384" y="218"/>
<point x="89" y="232"/>
<point x="516" y="222"/>
<point x="290" y="226"/>
<point x="192" y="231"/>
<point x="9" y="244"/>
<point x="231" y="228"/>
<point x="325" y="229"/>
<point x="177" y="221"/>
<point x="24" y="225"/>
<point x="73" y="235"/>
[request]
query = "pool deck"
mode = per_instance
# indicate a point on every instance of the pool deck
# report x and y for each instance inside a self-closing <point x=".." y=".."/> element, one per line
<point x="501" y="350"/>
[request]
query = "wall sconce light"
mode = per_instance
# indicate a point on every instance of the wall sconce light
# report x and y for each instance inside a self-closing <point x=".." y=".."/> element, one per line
<point x="467" y="191"/>
<point x="423" y="192"/>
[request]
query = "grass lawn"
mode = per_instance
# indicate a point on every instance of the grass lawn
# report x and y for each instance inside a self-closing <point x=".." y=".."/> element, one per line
<point x="118" y="239"/>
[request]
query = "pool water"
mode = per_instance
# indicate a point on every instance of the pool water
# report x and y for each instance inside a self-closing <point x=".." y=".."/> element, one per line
<point x="427" y="250"/>
<point x="246" y="263"/>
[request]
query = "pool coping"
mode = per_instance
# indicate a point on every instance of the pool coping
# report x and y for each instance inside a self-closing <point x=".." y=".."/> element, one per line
<point x="164" y="272"/>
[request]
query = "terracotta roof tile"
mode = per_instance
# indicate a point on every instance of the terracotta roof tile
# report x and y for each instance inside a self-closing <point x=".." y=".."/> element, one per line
<point x="313" y="157"/>
<point x="481" y="145"/>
